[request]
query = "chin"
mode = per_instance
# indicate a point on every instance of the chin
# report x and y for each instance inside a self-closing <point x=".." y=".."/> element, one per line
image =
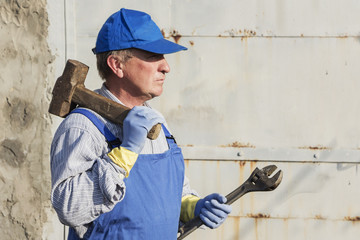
<point x="156" y="93"/>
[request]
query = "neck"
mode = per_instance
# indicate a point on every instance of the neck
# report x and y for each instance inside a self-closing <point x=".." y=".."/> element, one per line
<point x="124" y="96"/>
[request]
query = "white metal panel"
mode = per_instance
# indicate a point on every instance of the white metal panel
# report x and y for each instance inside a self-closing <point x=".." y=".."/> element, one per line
<point x="314" y="201"/>
<point x="266" y="18"/>
<point x="272" y="92"/>
<point x="269" y="92"/>
<point x="265" y="92"/>
<point x="284" y="93"/>
<point x="211" y="18"/>
<point x="272" y="154"/>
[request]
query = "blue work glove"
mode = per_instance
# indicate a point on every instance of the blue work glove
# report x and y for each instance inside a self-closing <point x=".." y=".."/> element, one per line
<point x="212" y="210"/>
<point x="136" y="126"/>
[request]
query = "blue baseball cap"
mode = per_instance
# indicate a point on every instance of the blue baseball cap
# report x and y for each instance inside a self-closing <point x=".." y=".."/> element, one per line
<point x="133" y="29"/>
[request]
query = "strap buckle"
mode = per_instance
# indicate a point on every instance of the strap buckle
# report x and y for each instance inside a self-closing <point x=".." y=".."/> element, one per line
<point x="171" y="137"/>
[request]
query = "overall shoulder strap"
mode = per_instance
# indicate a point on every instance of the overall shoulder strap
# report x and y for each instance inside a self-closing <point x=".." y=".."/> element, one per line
<point x="110" y="138"/>
<point x="168" y="134"/>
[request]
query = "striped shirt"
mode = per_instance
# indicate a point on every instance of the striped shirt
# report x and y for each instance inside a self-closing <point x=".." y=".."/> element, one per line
<point x="85" y="182"/>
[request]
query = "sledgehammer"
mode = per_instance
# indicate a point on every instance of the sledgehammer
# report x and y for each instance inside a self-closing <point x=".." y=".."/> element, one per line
<point x="69" y="91"/>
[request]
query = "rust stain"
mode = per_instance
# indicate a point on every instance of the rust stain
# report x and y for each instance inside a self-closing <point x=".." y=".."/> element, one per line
<point x="241" y="180"/>
<point x="241" y="163"/>
<point x="237" y="144"/>
<point x="238" y="33"/>
<point x="252" y="196"/>
<point x="258" y="215"/>
<point x="163" y="32"/>
<point x="175" y="34"/>
<point x="249" y="33"/>
<point x="256" y="229"/>
<point x="253" y="165"/>
<point x="237" y="228"/>
<point x="319" y="217"/>
<point x="186" y="162"/>
<point x="286" y="229"/>
<point x="191" y="43"/>
<point x="353" y="219"/>
<point x="318" y="147"/>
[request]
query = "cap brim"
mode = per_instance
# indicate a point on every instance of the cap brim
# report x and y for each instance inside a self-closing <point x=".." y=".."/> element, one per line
<point x="161" y="46"/>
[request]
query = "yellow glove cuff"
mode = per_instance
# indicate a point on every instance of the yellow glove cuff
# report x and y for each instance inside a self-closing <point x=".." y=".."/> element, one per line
<point x="188" y="204"/>
<point x="123" y="158"/>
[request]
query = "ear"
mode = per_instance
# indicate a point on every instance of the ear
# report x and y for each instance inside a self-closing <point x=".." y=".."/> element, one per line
<point x="115" y="65"/>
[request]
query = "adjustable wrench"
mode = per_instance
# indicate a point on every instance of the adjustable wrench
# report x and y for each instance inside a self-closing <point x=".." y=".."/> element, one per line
<point x="259" y="180"/>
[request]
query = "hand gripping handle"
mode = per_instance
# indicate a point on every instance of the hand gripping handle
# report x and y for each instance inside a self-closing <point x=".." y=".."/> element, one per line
<point x="258" y="181"/>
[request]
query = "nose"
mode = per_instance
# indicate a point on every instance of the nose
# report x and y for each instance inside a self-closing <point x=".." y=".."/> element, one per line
<point x="164" y="66"/>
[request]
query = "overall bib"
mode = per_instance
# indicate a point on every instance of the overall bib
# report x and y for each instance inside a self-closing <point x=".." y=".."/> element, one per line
<point x="152" y="202"/>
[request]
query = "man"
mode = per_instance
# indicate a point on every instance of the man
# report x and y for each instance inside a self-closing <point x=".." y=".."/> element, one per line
<point x="111" y="181"/>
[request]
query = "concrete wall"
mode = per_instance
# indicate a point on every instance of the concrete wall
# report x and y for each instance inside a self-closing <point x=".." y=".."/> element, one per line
<point x="25" y="80"/>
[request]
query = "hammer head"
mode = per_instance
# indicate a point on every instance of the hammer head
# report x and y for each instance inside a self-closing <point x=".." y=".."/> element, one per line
<point x="73" y="76"/>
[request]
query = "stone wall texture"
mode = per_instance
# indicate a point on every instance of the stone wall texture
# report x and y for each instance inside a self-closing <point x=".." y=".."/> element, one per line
<point x="25" y="63"/>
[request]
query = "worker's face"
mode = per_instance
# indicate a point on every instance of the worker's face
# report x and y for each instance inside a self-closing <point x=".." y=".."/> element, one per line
<point x="144" y="74"/>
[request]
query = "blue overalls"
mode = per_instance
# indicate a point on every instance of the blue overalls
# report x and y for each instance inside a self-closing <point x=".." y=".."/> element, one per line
<point x="152" y="202"/>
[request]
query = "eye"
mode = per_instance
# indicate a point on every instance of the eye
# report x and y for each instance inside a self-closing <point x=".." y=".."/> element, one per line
<point x="155" y="56"/>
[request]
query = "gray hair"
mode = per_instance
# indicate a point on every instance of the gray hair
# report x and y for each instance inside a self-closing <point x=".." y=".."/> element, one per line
<point x="101" y="61"/>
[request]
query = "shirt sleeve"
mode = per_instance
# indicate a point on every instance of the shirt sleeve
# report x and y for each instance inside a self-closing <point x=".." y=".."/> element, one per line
<point x="84" y="185"/>
<point x="187" y="190"/>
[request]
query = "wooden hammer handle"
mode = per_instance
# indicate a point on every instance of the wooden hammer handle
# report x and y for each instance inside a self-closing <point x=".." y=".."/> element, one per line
<point x="107" y="108"/>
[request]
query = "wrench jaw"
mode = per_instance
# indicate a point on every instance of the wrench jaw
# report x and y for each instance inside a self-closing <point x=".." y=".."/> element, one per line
<point x="261" y="180"/>
<point x="277" y="180"/>
<point x="268" y="170"/>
